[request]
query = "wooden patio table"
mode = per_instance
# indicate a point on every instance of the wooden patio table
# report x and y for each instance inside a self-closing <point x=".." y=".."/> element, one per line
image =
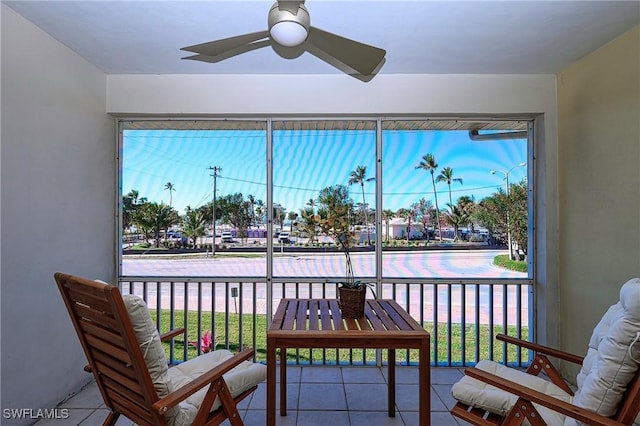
<point x="318" y="323"/>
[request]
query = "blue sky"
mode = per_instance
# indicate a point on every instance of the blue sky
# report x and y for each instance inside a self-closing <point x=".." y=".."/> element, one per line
<point x="304" y="162"/>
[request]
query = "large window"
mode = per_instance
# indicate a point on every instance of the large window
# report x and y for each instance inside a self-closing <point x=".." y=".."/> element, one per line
<point x="436" y="198"/>
<point x="168" y="200"/>
<point x="446" y="211"/>
<point x="317" y="168"/>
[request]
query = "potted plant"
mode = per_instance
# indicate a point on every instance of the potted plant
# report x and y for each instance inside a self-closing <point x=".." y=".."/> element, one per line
<point x="333" y="221"/>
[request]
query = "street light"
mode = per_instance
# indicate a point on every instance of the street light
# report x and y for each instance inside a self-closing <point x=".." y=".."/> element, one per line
<point x="506" y="177"/>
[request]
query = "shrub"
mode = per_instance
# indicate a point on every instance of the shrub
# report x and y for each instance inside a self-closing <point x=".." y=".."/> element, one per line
<point x="503" y="261"/>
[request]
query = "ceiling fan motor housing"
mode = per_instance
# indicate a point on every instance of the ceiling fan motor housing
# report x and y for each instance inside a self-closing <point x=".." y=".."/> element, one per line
<point x="287" y="28"/>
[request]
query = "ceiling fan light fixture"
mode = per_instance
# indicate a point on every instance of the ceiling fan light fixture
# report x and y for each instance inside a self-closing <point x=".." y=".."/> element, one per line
<point x="286" y="28"/>
<point x="288" y="33"/>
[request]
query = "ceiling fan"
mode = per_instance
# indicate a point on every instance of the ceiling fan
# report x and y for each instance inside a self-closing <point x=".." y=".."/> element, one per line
<point x="290" y="34"/>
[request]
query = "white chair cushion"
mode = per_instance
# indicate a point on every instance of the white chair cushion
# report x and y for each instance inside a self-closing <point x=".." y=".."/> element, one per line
<point x="613" y="355"/>
<point x="478" y="394"/>
<point x="149" y="340"/>
<point x="241" y="378"/>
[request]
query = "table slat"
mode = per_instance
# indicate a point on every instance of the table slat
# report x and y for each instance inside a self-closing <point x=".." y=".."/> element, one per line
<point x="276" y="324"/>
<point x="336" y="315"/>
<point x="363" y="323"/>
<point x="370" y="314"/>
<point x="325" y="316"/>
<point x="301" y="315"/>
<point x="314" y="313"/>
<point x="398" y="319"/>
<point x="384" y="317"/>
<point x="351" y="324"/>
<point x="411" y="322"/>
<point x="290" y="315"/>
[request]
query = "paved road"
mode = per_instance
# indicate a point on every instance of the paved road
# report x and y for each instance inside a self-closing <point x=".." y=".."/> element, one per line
<point x="426" y="264"/>
<point x="419" y="299"/>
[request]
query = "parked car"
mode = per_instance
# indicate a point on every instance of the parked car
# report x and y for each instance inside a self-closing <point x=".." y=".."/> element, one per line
<point x="227" y="237"/>
<point x="283" y="237"/>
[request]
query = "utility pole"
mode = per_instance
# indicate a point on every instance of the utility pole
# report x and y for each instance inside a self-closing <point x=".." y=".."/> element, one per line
<point x="215" y="169"/>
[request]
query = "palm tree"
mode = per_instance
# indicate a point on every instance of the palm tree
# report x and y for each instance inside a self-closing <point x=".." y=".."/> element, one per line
<point x="359" y="175"/>
<point x="468" y="205"/>
<point x="308" y="223"/>
<point x="409" y="215"/>
<point x="169" y="186"/>
<point x="312" y="203"/>
<point x="194" y="225"/>
<point x="131" y="204"/>
<point x="259" y="212"/>
<point x="134" y="194"/>
<point x="292" y="216"/>
<point x="156" y="217"/>
<point x="279" y="214"/>
<point x="457" y="218"/>
<point x="252" y="210"/>
<point x="446" y="175"/>
<point x="424" y="210"/>
<point x="429" y="164"/>
<point x="387" y="215"/>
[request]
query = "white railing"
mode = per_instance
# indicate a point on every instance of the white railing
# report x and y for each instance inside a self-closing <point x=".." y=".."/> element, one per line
<point x="461" y="315"/>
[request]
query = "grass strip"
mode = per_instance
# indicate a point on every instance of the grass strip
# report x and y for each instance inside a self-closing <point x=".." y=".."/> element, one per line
<point x="228" y="329"/>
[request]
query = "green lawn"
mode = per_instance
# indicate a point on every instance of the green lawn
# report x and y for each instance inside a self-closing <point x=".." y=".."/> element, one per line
<point x="230" y="325"/>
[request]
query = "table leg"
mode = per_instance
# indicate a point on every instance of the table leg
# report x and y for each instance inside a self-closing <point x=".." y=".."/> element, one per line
<point x="425" y="383"/>
<point x="271" y="384"/>
<point x="391" y="398"/>
<point x="283" y="381"/>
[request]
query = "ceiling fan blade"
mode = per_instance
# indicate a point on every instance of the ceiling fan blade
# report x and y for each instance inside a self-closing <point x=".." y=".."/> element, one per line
<point x="218" y="47"/>
<point x="342" y="67"/>
<point x="230" y="53"/>
<point x="361" y="57"/>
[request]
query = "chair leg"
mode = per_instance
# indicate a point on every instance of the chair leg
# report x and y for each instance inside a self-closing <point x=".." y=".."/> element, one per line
<point x="111" y="419"/>
<point x="219" y="389"/>
<point x="229" y="406"/>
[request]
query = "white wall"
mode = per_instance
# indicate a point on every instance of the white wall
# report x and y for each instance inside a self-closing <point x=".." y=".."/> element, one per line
<point x="599" y="183"/>
<point x="57" y="176"/>
<point x="274" y="95"/>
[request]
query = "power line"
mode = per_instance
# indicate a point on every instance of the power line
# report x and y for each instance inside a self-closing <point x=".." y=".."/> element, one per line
<point x="295" y="188"/>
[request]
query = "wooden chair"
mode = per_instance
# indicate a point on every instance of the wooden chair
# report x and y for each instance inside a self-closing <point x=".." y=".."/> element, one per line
<point x="608" y="387"/>
<point x="127" y="360"/>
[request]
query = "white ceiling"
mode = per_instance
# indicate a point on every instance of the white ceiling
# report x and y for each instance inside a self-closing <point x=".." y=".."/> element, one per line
<point x="420" y="37"/>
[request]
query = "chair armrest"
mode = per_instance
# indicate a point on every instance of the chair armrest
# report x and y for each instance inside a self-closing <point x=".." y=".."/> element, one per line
<point x="540" y="398"/>
<point x="180" y="394"/>
<point x="171" y="334"/>
<point x="566" y="356"/>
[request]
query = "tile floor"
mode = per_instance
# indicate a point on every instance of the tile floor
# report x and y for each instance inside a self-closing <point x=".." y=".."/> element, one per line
<point x="337" y="396"/>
